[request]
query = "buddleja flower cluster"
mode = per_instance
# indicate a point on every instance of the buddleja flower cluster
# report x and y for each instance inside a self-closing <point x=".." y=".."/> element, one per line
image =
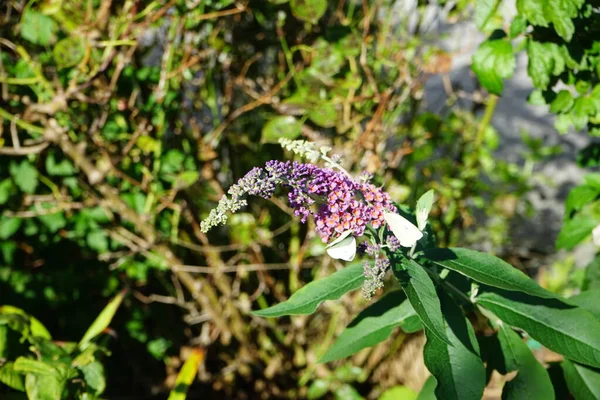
<point x="336" y="201"/>
<point x="339" y="204"/>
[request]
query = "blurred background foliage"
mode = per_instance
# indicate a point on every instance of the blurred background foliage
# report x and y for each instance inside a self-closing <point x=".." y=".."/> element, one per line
<point x="123" y="122"/>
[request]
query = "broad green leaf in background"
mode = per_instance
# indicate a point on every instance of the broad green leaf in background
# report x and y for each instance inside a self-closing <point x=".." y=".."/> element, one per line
<point x="68" y="52"/>
<point x="35" y="326"/>
<point x="93" y="373"/>
<point x="324" y="115"/>
<point x="37" y="27"/>
<point x="588" y="300"/>
<point x="575" y="230"/>
<point x="579" y="197"/>
<point x="398" y="393"/>
<point x="428" y="390"/>
<point x="25" y="176"/>
<point x="318" y="389"/>
<point x="532" y="381"/>
<point x="308" y="10"/>
<point x="583" y="382"/>
<point x="484" y="10"/>
<point x="486" y="268"/>
<point x="422" y="296"/>
<point x="561" y="327"/>
<point x="457" y="366"/>
<point x="103" y="320"/>
<point x="558" y="12"/>
<point x="44" y="387"/>
<point x="592" y="275"/>
<point x="373" y="325"/>
<point x="11" y="378"/>
<point x="307" y="299"/>
<point x="563" y="102"/>
<point x="6" y="189"/>
<point x="284" y="126"/>
<point x="29" y="366"/>
<point x="493" y="62"/>
<point x="8" y="226"/>
<point x="545" y="61"/>
<point x="186" y="375"/>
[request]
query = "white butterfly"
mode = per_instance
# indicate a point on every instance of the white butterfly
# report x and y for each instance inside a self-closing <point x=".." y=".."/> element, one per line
<point x="403" y="229"/>
<point x="344" y="247"/>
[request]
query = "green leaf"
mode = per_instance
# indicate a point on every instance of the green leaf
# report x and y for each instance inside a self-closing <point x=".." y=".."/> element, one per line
<point x="428" y="390"/>
<point x="398" y="393"/>
<point x="588" y="300"/>
<point x="317" y="389"/>
<point x="532" y="380"/>
<point x="37" y="27"/>
<point x="558" y="12"/>
<point x="579" y="197"/>
<point x="575" y="231"/>
<point x="484" y="10"/>
<point x="25" y="176"/>
<point x="486" y="268"/>
<point x="62" y="168"/>
<point x="68" y="52"/>
<point x="29" y="366"/>
<point x="563" y="102"/>
<point x="284" y="126"/>
<point x="592" y="275"/>
<point x="93" y="373"/>
<point x="97" y="240"/>
<point x="373" y="325"/>
<point x="308" y="10"/>
<point x="324" y="115"/>
<point x="11" y="378"/>
<point x="54" y="222"/>
<point x="563" y="328"/>
<point x="35" y="326"/>
<point x="422" y="296"/>
<point x="545" y="61"/>
<point x="583" y="382"/>
<point x="457" y="367"/>
<point x="6" y="189"/>
<point x="307" y="299"/>
<point x="8" y="226"/>
<point x="103" y="319"/>
<point x="492" y="62"/>
<point x="186" y="375"/>
<point x="517" y="26"/>
<point x="583" y="108"/>
<point x="563" y="123"/>
<point x="347" y="392"/>
<point x="44" y="387"/>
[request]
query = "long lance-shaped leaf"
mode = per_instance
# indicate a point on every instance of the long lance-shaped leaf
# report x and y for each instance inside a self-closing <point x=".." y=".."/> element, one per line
<point x="457" y="367"/>
<point x="583" y="382"/>
<point x="307" y="299"/>
<point x="561" y="327"/>
<point x="486" y="269"/>
<point x="422" y="296"/>
<point x="103" y="319"/>
<point x="374" y="324"/>
<point x="186" y="375"/>
<point x="588" y="300"/>
<point x="532" y="381"/>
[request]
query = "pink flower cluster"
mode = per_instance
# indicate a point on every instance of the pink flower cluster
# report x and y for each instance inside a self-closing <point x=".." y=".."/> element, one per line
<point x="344" y="210"/>
<point x="336" y="201"/>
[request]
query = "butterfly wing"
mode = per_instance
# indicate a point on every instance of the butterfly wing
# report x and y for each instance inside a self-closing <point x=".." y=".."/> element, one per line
<point x="406" y="233"/>
<point x="343" y="248"/>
